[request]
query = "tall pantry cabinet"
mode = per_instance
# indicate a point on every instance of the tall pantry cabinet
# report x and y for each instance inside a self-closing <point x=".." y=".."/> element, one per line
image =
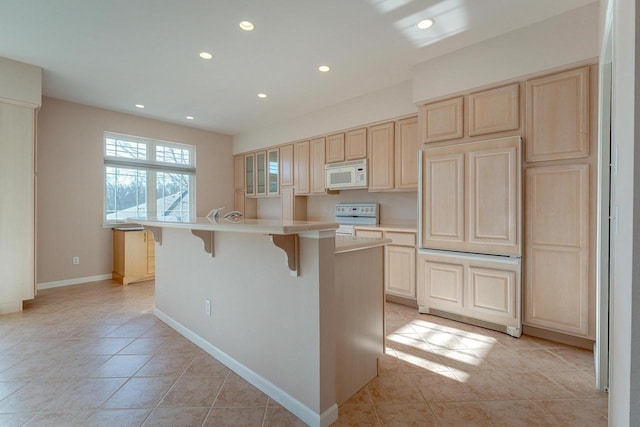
<point x="560" y="188"/>
<point x="20" y="96"/>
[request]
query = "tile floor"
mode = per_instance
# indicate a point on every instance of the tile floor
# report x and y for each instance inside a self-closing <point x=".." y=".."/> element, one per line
<point x="94" y="355"/>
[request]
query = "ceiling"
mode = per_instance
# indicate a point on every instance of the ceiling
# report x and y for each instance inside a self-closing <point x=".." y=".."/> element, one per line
<point x="118" y="53"/>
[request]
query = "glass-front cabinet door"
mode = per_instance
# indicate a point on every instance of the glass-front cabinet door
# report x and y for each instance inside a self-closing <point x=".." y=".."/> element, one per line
<point x="273" y="168"/>
<point x="261" y="173"/>
<point x="249" y="186"/>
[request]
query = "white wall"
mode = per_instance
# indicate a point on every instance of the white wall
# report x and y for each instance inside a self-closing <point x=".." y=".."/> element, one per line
<point x="624" y="392"/>
<point x="394" y="101"/>
<point x="558" y="41"/>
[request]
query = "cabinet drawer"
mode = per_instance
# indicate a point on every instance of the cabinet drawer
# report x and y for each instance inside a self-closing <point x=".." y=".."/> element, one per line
<point x="369" y="233"/>
<point x="404" y="239"/>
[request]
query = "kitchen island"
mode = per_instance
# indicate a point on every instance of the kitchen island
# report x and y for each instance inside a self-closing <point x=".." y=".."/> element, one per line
<point x="279" y="303"/>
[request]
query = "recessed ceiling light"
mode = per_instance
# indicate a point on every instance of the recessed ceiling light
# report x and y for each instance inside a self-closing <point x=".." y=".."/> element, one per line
<point x="189" y="117"/>
<point x="246" y="25"/>
<point x="324" y="68"/>
<point x="206" y="55"/>
<point x="139" y="106"/>
<point x="262" y="95"/>
<point x="424" y="24"/>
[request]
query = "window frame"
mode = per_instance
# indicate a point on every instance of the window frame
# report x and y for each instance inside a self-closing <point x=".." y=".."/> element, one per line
<point x="152" y="167"/>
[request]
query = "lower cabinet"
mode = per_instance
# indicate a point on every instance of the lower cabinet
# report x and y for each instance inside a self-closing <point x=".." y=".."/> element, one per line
<point x="133" y="256"/>
<point x="477" y="290"/>
<point x="399" y="260"/>
<point x="293" y="208"/>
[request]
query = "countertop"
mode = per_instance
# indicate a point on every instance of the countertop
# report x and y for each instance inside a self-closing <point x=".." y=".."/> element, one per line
<point x="352" y="243"/>
<point x="389" y="227"/>
<point x="263" y="226"/>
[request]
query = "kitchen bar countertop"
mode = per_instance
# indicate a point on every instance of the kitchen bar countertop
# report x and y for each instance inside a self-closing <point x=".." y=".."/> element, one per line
<point x="261" y="226"/>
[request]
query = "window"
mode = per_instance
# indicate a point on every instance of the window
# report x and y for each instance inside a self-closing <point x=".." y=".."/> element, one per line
<point x="148" y="178"/>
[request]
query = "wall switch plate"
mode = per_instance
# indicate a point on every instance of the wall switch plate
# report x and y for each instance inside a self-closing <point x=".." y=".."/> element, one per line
<point x="207" y="307"/>
<point x="76" y="260"/>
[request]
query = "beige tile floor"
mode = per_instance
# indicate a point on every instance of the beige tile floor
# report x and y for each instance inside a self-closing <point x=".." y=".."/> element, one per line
<point x="94" y="355"/>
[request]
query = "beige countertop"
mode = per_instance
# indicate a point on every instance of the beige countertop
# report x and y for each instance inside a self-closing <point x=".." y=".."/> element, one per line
<point x="263" y="226"/>
<point x="352" y="243"/>
<point x="389" y="227"/>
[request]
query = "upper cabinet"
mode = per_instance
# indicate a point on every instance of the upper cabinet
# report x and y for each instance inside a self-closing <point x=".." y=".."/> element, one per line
<point x="273" y="171"/>
<point x="442" y="120"/>
<point x="286" y="165"/>
<point x="249" y="181"/>
<point x="472" y="197"/>
<point x="261" y="173"/>
<point x="558" y="116"/>
<point x="381" y="162"/>
<point x="495" y="110"/>
<point x="301" y="167"/>
<point x="238" y="172"/>
<point x="316" y="166"/>
<point x="335" y="148"/>
<point x="356" y="144"/>
<point x="407" y="145"/>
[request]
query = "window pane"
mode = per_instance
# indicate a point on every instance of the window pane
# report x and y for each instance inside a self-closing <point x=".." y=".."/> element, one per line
<point x="172" y="193"/>
<point x="126" y="193"/>
<point x="173" y="155"/>
<point x="115" y="147"/>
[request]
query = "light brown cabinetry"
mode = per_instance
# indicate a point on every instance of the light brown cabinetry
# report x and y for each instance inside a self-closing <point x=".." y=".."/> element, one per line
<point x="381" y="157"/>
<point x="292" y="208"/>
<point x="495" y="110"/>
<point x="335" y="148"/>
<point x="238" y="172"/>
<point x="356" y="144"/>
<point x="301" y="167"/>
<point x="133" y="256"/>
<point x="407" y="145"/>
<point x="471" y="287"/>
<point x="399" y="260"/>
<point x="261" y="173"/>
<point x="442" y="121"/>
<point x="286" y="165"/>
<point x="471" y="197"/>
<point x="273" y="171"/>
<point x="559" y="294"/>
<point x="249" y="174"/>
<point x="316" y="162"/>
<point x="558" y="116"/>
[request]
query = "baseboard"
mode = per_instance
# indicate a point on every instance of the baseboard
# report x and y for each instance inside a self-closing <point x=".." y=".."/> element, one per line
<point x="296" y="407"/>
<point x="574" y="341"/>
<point x="76" y="281"/>
<point x="409" y="302"/>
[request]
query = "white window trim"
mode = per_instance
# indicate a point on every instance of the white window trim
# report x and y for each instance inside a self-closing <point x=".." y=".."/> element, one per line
<point x="150" y="165"/>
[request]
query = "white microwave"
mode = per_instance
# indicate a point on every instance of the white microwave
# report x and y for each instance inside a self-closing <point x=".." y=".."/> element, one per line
<point x="343" y="175"/>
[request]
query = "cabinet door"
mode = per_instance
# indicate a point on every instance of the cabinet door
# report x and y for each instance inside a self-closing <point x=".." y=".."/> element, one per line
<point x="151" y="253"/>
<point x="286" y="165"/>
<point x="381" y="161"/>
<point x="135" y="255"/>
<point x="442" y="120"/>
<point x="557" y="277"/>
<point x="238" y="172"/>
<point x="301" y="167"/>
<point x="316" y="161"/>
<point x="273" y="171"/>
<point x="493" y="292"/>
<point x="493" y="197"/>
<point x="335" y="148"/>
<point x="261" y="173"/>
<point x="356" y="144"/>
<point x="442" y="199"/>
<point x="293" y="208"/>
<point x="407" y="145"/>
<point x="249" y="182"/>
<point x="558" y="116"/>
<point x="400" y="270"/>
<point x="495" y="110"/>
<point x="238" y="201"/>
<point x="440" y="285"/>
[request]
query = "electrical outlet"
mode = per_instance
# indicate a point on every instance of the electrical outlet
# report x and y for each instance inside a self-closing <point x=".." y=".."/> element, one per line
<point x="76" y="260"/>
<point x="207" y="307"/>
